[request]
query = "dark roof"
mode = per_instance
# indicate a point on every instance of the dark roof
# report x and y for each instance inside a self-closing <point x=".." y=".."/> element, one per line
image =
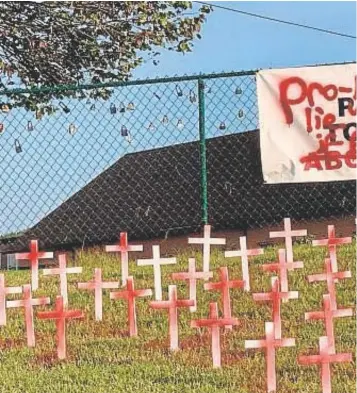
<point x="152" y="193"/>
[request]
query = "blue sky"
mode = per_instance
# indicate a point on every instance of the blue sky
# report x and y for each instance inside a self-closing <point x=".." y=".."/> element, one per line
<point x="53" y="165"/>
<point x="232" y="41"/>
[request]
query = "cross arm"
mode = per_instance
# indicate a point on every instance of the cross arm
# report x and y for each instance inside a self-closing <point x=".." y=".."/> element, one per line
<point x="214" y="322"/>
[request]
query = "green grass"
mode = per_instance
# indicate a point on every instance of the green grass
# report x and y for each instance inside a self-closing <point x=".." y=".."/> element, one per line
<point x="101" y="358"/>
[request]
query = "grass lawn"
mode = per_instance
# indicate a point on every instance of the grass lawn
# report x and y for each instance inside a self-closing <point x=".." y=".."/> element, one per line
<point x="103" y="359"/>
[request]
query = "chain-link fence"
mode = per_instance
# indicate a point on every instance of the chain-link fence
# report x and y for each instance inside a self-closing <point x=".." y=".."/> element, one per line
<point x="158" y="157"/>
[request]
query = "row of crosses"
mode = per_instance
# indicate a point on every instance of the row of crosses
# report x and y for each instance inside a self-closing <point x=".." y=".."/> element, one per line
<point x="279" y="293"/>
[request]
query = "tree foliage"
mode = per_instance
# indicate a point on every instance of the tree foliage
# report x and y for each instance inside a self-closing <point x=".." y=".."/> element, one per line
<point x="53" y="43"/>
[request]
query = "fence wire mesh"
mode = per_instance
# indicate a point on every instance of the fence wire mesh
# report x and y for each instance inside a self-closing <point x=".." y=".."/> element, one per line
<point x="137" y="162"/>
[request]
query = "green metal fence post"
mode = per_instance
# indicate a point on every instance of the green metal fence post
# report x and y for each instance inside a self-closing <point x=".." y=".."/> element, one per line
<point x="203" y="160"/>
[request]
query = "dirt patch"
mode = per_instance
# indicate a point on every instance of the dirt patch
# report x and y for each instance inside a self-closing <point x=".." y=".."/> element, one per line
<point x="47" y="360"/>
<point x="9" y="343"/>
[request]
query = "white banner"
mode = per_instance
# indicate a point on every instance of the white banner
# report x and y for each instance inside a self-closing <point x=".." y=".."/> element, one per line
<point x="307" y="122"/>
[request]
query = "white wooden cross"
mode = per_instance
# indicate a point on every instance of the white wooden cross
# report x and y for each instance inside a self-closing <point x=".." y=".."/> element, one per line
<point x="62" y="271"/>
<point x="124" y="248"/>
<point x="207" y="241"/>
<point x="288" y="234"/>
<point x="97" y="285"/>
<point x="156" y="262"/>
<point x="3" y="292"/>
<point x="192" y="276"/>
<point x="27" y="303"/>
<point x="244" y="254"/>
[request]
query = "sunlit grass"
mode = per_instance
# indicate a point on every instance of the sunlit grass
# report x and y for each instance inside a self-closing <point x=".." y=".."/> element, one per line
<point x="101" y="358"/>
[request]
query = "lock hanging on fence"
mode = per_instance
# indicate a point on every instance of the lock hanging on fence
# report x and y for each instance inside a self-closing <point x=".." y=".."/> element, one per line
<point x="38" y="114"/>
<point x="222" y="125"/>
<point x="238" y="90"/>
<point x="29" y="126"/>
<point x="124" y="131"/>
<point x="5" y="108"/>
<point x="122" y="108"/>
<point x="193" y="97"/>
<point x="180" y="124"/>
<point x="72" y="129"/>
<point x="165" y="120"/>
<point x="151" y="127"/>
<point x="130" y="106"/>
<point x="113" y="109"/>
<point x="240" y="113"/>
<point x="18" y="147"/>
<point x="64" y="107"/>
<point x="92" y="107"/>
<point x="2" y="128"/>
<point x="178" y="91"/>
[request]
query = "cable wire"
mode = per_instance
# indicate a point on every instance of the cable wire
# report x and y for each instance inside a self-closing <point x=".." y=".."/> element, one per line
<point x="332" y="32"/>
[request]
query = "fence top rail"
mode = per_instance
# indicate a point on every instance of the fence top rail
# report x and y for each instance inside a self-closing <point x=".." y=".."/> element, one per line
<point x="138" y="82"/>
<point x="184" y="78"/>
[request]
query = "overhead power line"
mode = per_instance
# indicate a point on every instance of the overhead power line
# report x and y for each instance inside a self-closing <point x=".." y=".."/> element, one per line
<point x="332" y="32"/>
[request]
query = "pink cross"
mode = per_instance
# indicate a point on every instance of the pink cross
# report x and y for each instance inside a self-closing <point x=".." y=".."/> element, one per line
<point x="270" y="344"/>
<point x="33" y="256"/>
<point x="283" y="267"/>
<point x="288" y="234"/>
<point x="60" y="315"/>
<point x="325" y="358"/>
<point x="130" y="294"/>
<point x="330" y="278"/>
<point x="275" y="297"/>
<point x="224" y="286"/>
<point x="62" y="271"/>
<point x="192" y="276"/>
<point x="328" y="315"/>
<point x="98" y="285"/>
<point x="124" y="248"/>
<point x="244" y="254"/>
<point x="27" y="303"/>
<point x="156" y="262"/>
<point x="214" y="323"/>
<point x="3" y="292"/>
<point x="172" y="305"/>
<point x="332" y="242"/>
<point x="207" y="241"/>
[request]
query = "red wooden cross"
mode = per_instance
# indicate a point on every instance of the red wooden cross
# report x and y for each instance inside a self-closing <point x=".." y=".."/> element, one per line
<point x="172" y="305"/>
<point x="207" y="242"/>
<point x="27" y="303"/>
<point x="270" y="344"/>
<point x="224" y="286"/>
<point x="325" y="358"/>
<point x="98" y="285"/>
<point x="192" y="276"/>
<point x="332" y="242"/>
<point x="288" y="234"/>
<point x="130" y="294"/>
<point x="244" y="254"/>
<point x="124" y="248"/>
<point x="214" y="323"/>
<point x="283" y="267"/>
<point x="60" y="315"/>
<point x="330" y="277"/>
<point x="275" y="297"/>
<point x="328" y="315"/>
<point x="62" y="271"/>
<point x="33" y="256"/>
<point x="3" y="292"/>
